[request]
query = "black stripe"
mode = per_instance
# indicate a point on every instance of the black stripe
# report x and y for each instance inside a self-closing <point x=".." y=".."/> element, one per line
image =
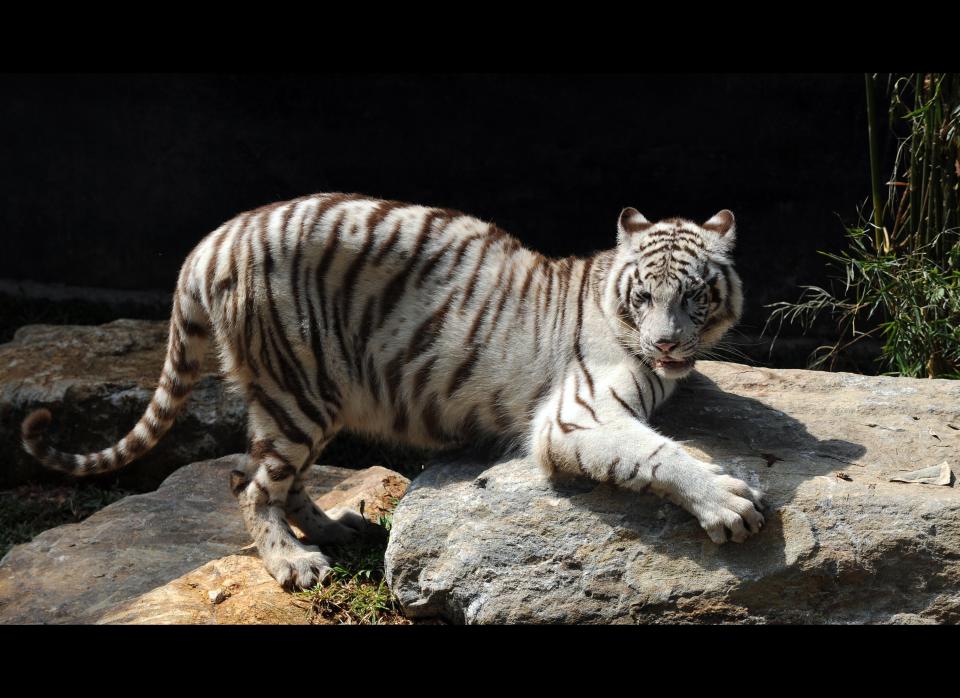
<point x="326" y="388"/>
<point x="643" y="402"/>
<point x="249" y="314"/>
<point x="463" y="371"/>
<point x="193" y="329"/>
<point x="580" y="401"/>
<point x="352" y="273"/>
<point x="393" y="373"/>
<point x="728" y="301"/>
<point x="373" y="379"/>
<point x="625" y="405"/>
<point x="491" y="239"/>
<point x="173" y="385"/>
<point x="212" y="263"/>
<point x="579" y="460"/>
<point x="432" y="262"/>
<point x="429" y="330"/>
<point x="295" y="277"/>
<point x="430" y="416"/>
<point x="652" y="250"/>
<point x="397" y="286"/>
<point x="290" y="355"/>
<point x="422" y="376"/>
<point x="578" y="347"/>
<point x="612" y="469"/>
<point x="480" y="316"/>
<point x="296" y="389"/>
<point x="390" y="243"/>
<point x="503" y="301"/>
<point x="279" y="416"/>
<point x="326" y="259"/>
<point x="265" y="356"/>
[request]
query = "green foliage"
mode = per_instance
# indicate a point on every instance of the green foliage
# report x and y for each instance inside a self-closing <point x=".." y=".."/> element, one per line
<point x="356" y="592"/>
<point x="900" y="270"/>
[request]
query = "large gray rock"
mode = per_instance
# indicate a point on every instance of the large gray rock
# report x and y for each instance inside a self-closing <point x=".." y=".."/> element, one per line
<point x="177" y="555"/>
<point x="97" y="381"/>
<point x="479" y="543"/>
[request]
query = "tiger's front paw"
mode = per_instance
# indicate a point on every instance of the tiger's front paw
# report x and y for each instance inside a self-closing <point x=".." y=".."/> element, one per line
<point x="727" y="508"/>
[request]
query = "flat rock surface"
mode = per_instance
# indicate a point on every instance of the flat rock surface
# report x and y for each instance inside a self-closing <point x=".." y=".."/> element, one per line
<point x="475" y="542"/>
<point x="177" y="555"/>
<point x="97" y="381"/>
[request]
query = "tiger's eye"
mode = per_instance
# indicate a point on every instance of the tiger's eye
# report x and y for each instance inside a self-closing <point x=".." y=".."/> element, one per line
<point x="690" y="295"/>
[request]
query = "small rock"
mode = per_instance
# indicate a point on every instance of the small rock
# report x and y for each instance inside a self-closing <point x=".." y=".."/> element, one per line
<point x="217" y="596"/>
<point x="934" y="475"/>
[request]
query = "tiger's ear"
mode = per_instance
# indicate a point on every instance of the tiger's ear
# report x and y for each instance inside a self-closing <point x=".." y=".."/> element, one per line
<point x="724" y="226"/>
<point x="722" y="223"/>
<point x="631" y="221"/>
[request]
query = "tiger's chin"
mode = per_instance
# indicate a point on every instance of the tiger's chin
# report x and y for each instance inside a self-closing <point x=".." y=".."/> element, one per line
<point x="673" y="368"/>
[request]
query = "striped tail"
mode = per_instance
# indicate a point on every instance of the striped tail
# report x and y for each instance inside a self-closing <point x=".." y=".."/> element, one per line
<point x="189" y="337"/>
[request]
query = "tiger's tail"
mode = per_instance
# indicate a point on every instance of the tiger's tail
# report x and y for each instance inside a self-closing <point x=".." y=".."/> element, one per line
<point x="187" y="345"/>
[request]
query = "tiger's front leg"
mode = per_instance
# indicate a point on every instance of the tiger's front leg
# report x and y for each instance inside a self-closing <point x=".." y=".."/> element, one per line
<point x="605" y="437"/>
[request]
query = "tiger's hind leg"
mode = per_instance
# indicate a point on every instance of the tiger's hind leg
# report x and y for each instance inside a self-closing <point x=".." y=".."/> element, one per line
<point x="263" y="496"/>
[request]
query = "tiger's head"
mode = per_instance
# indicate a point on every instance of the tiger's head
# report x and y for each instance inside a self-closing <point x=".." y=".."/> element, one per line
<point x="674" y="287"/>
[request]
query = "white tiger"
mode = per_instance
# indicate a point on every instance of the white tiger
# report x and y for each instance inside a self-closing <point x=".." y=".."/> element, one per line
<point x="433" y="328"/>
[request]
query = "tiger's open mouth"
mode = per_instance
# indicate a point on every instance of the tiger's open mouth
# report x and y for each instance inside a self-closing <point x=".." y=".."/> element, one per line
<point x="670" y="364"/>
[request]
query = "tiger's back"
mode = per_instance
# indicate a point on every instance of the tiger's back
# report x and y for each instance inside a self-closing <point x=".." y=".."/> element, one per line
<point x="417" y="324"/>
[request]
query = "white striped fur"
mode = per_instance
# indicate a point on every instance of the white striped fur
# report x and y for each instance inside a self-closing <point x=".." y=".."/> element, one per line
<point x="433" y="328"/>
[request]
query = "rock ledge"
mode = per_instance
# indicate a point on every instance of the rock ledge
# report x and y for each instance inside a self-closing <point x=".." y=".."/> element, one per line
<point x="480" y="543"/>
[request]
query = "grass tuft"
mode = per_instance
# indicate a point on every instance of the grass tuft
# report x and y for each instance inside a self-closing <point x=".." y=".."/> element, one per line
<point x="356" y="592"/>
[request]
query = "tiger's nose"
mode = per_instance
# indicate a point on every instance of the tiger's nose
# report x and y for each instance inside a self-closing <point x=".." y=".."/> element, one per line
<point x="665" y="347"/>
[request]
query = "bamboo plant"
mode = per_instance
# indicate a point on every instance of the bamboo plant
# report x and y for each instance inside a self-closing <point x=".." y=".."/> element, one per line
<point x="900" y="271"/>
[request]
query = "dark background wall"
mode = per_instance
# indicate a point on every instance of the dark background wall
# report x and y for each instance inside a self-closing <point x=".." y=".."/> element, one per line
<point x="109" y="181"/>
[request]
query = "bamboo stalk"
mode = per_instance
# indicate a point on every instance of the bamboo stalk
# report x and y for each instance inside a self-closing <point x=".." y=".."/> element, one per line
<point x="874" y="160"/>
<point x="933" y="217"/>
<point x="923" y="148"/>
<point x="916" y="193"/>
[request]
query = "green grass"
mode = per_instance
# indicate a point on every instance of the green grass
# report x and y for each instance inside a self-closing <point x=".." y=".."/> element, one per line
<point x="30" y="509"/>
<point x="356" y="592"/>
